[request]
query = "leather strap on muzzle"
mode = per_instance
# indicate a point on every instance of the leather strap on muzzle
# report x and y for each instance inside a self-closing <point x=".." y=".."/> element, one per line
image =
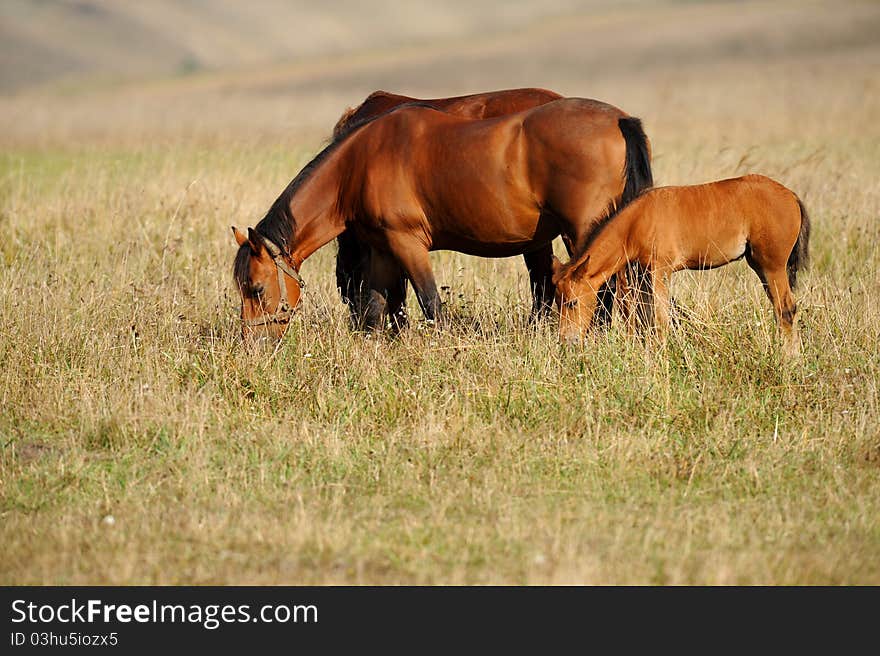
<point x="284" y="312"/>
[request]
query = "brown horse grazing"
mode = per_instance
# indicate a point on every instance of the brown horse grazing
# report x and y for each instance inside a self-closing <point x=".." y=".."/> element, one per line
<point x="667" y="229"/>
<point x="417" y="179"/>
<point x="353" y="256"/>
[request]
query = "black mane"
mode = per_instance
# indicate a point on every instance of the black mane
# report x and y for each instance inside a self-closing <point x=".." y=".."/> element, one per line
<point x="278" y="224"/>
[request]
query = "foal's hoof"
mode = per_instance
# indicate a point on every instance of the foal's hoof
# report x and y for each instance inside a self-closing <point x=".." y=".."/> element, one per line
<point x="571" y="341"/>
<point x="792" y="350"/>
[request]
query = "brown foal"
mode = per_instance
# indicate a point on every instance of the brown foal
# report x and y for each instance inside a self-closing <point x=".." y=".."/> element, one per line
<point x="668" y="229"/>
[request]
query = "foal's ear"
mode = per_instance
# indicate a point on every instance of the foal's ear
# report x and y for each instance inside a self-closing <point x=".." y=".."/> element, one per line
<point x="555" y="268"/>
<point x="255" y="241"/>
<point x="240" y="237"/>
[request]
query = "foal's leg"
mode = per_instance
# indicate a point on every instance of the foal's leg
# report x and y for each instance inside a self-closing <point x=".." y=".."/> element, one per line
<point x="660" y="284"/>
<point x="784" y="307"/>
<point x="540" y="266"/>
<point x="626" y="298"/>
<point x="634" y="297"/>
<point x="774" y="277"/>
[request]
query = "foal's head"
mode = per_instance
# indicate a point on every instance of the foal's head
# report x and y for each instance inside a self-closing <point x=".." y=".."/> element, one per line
<point x="270" y="287"/>
<point x="575" y="298"/>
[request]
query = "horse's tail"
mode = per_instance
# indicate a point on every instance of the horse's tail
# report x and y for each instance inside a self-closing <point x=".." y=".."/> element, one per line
<point x="352" y="260"/>
<point x="638" y="177"/>
<point x="800" y="254"/>
<point x="637" y="167"/>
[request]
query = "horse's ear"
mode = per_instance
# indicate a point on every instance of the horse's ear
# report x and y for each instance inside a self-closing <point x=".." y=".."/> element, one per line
<point x="255" y="241"/>
<point x="240" y="237"/>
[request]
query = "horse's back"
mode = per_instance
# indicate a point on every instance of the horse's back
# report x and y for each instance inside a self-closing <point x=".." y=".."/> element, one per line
<point x="464" y="181"/>
<point x="375" y="104"/>
<point x="752" y="194"/>
<point x="489" y="104"/>
<point x="575" y="147"/>
<point x="721" y="216"/>
<point x="495" y="103"/>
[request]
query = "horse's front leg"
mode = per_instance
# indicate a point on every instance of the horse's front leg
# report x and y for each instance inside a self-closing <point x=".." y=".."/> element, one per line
<point x="384" y="291"/>
<point x="413" y="257"/>
<point x="396" y="307"/>
<point x="352" y="271"/>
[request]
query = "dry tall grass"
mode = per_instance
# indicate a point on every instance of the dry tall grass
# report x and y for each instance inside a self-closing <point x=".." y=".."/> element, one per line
<point x="141" y="444"/>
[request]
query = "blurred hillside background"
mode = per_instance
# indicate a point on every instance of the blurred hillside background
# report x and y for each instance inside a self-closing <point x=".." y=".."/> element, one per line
<point x="93" y="69"/>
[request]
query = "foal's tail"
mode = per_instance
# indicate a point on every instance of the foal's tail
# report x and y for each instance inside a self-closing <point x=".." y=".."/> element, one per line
<point x="800" y="254"/>
<point x="637" y="168"/>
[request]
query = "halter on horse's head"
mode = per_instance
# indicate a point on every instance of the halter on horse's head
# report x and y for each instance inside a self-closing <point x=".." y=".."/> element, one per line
<point x="255" y="314"/>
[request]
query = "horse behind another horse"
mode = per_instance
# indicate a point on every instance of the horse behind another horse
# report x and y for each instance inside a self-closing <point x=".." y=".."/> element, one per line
<point x="353" y="257"/>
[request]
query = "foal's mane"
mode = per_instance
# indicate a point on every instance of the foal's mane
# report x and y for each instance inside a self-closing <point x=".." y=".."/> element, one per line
<point x="614" y="208"/>
<point x="278" y="224"/>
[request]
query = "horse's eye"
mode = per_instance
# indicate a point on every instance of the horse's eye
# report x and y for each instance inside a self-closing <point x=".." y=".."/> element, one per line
<point x="257" y="290"/>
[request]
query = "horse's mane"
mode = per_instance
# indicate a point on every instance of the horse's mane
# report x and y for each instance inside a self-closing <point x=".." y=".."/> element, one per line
<point x="577" y="259"/>
<point x="342" y="124"/>
<point x="614" y="208"/>
<point x="343" y="120"/>
<point x="278" y="225"/>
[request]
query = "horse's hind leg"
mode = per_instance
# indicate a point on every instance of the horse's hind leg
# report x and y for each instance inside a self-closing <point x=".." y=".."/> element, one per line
<point x="785" y="308"/>
<point x="775" y="281"/>
<point x="540" y="266"/>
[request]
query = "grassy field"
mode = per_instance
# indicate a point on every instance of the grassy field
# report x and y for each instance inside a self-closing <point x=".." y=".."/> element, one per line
<point x="139" y="443"/>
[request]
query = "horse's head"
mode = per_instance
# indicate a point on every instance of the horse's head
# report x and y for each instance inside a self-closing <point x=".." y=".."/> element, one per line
<point x="269" y="285"/>
<point x="575" y="298"/>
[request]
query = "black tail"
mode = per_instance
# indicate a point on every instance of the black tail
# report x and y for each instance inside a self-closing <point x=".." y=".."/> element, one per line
<point x="637" y="169"/>
<point x="638" y="177"/>
<point x="800" y="254"/>
<point x="352" y="269"/>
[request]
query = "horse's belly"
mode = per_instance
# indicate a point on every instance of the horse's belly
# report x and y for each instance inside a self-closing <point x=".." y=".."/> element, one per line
<point x="717" y="250"/>
<point x="493" y="236"/>
<point x="483" y="249"/>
